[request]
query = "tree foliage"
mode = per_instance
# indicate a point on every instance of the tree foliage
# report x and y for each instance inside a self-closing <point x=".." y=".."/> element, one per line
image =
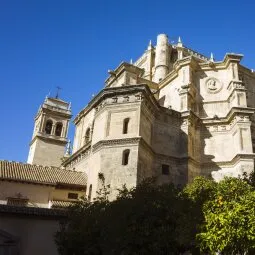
<point x="150" y="219"/>
<point x="229" y="225"/>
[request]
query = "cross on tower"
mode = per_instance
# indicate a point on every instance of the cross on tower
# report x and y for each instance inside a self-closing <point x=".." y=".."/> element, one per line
<point x="58" y="89"/>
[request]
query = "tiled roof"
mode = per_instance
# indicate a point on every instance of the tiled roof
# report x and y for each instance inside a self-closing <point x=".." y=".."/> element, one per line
<point x="61" y="204"/>
<point x="21" y="172"/>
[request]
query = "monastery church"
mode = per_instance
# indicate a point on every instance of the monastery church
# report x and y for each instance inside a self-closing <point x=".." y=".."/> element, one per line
<point x="173" y="114"/>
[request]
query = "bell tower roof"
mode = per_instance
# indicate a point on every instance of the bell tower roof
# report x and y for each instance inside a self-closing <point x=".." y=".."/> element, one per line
<point x="56" y="105"/>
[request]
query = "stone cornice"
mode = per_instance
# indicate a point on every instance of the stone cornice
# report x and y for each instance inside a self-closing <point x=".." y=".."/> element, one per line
<point x="55" y="111"/>
<point x="233" y="112"/>
<point x="232" y="57"/>
<point x="195" y="54"/>
<point x="235" y="115"/>
<point x="51" y="138"/>
<point x="86" y="149"/>
<point x="229" y="58"/>
<point x="236" y="84"/>
<point x="113" y="92"/>
<point x="111" y="142"/>
<point x="233" y="161"/>
<point x="133" y="141"/>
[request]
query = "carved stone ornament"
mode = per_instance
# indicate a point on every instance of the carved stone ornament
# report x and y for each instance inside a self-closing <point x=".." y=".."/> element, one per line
<point x="213" y="85"/>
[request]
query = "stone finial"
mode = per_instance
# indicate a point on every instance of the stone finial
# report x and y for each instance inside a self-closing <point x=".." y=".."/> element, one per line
<point x="68" y="148"/>
<point x="149" y="46"/>
<point x="211" y="57"/>
<point x="179" y="44"/>
<point x="39" y="108"/>
<point x="131" y="61"/>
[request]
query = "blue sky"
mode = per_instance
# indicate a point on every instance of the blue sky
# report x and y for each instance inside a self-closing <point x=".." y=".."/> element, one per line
<point x="72" y="44"/>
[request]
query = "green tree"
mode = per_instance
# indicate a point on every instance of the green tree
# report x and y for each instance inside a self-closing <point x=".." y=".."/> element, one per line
<point x="81" y="232"/>
<point x="152" y="219"/>
<point x="197" y="193"/>
<point x="250" y="178"/>
<point x="229" y="225"/>
<point x="148" y="219"/>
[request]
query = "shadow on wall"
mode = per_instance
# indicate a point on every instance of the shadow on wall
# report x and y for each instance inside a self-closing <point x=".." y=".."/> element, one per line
<point x="9" y="244"/>
<point x="193" y="161"/>
<point x="207" y="165"/>
<point x="176" y="158"/>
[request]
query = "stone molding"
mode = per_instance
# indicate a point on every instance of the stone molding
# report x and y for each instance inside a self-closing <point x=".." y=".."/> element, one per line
<point x="114" y="93"/>
<point x="196" y="54"/>
<point x="234" y="161"/>
<point x="51" y="138"/>
<point x="215" y="127"/>
<point x="112" y="142"/>
<point x="236" y="85"/>
<point x="119" y="100"/>
<point x="242" y="112"/>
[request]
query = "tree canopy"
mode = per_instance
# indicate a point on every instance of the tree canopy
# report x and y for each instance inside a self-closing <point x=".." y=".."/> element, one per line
<point x="204" y="217"/>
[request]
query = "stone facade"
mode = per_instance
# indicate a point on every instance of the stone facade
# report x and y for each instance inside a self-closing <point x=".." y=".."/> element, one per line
<point x="173" y="114"/>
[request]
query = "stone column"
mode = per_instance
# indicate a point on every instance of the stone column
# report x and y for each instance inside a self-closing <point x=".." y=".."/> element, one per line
<point x="65" y="129"/>
<point x="161" y="58"/>
<point x="53" y="129"/>
<point x="42" y="123"/>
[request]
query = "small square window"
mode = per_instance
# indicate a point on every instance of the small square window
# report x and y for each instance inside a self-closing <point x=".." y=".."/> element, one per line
<point x="165" y="169"/>
<point x="72" y="195"/>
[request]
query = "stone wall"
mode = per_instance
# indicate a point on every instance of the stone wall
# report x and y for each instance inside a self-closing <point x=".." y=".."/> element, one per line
<point x="38" y="195"/>
<point x="47" y="153"/>
<point x="35" y="235"/>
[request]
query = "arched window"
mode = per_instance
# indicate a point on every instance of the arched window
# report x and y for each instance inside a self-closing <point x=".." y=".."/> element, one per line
<point x="58" y="130"/>
<point x="90" y="192"/>
<point x="48" y="127"/>
<point x="125" y="125"/>
<point x="125" y="157"/>
<point x="87" y="136"/>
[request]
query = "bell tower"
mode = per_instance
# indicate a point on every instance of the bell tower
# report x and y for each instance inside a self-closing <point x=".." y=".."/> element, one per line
<point x="50" y="133"/>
